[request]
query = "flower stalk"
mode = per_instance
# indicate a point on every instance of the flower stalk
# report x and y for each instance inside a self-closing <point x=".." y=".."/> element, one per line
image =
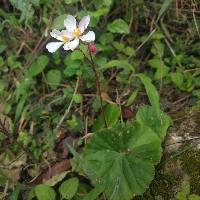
<point x="93" y="65"/>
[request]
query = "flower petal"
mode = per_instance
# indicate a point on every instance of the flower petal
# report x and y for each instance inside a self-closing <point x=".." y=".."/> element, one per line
<point x="70" y="23"/>
<point x="67" y="34"/>
<point x="71" y="45"/>
<point x="53" y="46"/>
<point x="89" y="37"/>
<point x="83" y="24"/>
<point x="55" y="33"/>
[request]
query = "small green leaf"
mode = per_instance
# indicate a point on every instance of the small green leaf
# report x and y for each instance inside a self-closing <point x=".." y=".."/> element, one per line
<point x="131" y="99"/>
<point x="165" y="5"/>
<point x="58" y="22"/>
<point x="119" y="46"/>
<point x="54" y="78"/>
<point x="13" y="63"/>
<point x="117" y="63"/>
<point x="155" y="63"/>
<point x="112" y="114"/>
<point x="20" y="107"/>
<point x="69" y="188"/>
<point x="158" y="48"/>
<point x="106" y="38"/>
<point x="77" y="98"/>
<point x="129" y="51"/>
<point x="118" y="26"/>
<point x="38" y="66"/>
<point x="161" y="69"/>
<point x="151" y="92"/>
<point x="73" y="67"/>
<point x="76" y="55"/>
<point x="44" y="192"/>
<point x="177" y="78"/>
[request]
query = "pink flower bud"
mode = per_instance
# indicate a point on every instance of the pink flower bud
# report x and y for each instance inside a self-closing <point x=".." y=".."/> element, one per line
<point x="92" y="48"/>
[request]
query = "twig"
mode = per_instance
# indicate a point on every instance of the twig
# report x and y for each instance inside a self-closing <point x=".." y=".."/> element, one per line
<point x="70" y="105"/>
<point x="146" y="40"/>
<point x="87" y="136"/>
<point x="182" y="99"/>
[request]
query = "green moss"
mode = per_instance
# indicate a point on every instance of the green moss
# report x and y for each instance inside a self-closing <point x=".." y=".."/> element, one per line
<point x="168" y="180"/>
<point x="190" y="163"/>
<point x="162" y="187"/>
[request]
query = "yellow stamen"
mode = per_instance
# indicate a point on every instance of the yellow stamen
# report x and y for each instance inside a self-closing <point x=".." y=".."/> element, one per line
<point x="65" y="38"/>
<point x="77" y="33"/>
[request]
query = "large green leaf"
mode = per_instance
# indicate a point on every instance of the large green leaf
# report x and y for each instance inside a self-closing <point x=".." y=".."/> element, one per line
<point x="122" y="159"/>
<point x="158" y="123"/>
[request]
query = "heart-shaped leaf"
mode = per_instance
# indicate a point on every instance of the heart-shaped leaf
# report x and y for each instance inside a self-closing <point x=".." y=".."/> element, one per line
<point x="122" y="159"/>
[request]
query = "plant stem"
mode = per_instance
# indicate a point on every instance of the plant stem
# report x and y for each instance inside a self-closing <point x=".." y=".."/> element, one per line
<point x="91" y="61"/>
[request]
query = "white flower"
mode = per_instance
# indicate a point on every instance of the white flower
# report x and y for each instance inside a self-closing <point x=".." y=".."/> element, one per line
<point x="63" y="36"/>
<point x="70" y="37"/>
<point x="77" y="32"/>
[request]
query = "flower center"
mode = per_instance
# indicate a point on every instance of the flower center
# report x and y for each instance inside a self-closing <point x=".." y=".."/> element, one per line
<point x="65" y="38"/>
<point x="77" y="32"/>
